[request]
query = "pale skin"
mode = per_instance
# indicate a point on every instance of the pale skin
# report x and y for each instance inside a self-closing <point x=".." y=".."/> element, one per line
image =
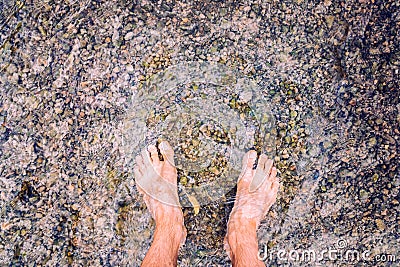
<point x="256" y="192"/>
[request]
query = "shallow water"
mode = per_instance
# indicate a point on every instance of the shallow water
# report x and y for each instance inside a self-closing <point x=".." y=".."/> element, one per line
<point x="211" y="124"/>
<point x="86" y="85"/>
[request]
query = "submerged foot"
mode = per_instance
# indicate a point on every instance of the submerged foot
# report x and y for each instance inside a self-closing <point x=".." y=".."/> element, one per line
<point x="157" y="180"/>
<point x="256" y="192"/>
<point x="256" y="189"/>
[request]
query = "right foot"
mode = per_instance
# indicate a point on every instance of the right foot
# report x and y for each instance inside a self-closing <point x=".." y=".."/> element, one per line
<point x="256" y="192"/>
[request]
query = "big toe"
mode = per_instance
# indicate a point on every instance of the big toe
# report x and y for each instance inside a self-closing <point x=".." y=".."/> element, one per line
<point x="262" y="171"/>
<point x="168" y="152"/>
<point x="249" y="160"/>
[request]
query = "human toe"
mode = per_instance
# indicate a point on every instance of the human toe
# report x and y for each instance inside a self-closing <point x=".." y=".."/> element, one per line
<point x="167" y="151"/>
<point x="153" y="154"/>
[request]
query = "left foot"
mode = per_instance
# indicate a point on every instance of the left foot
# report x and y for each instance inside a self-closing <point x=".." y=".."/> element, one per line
<point x="256" y="189"/>
<point x="157" y="180"/>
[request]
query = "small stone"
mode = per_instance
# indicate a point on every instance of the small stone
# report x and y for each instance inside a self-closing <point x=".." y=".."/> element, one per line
<point x="11" y="69"/>
<point x="363" y="194"/>
<point x="327" y="144"/>
<point x="128" y="36"/>
<point x="116" y="69"/>
<point x="129" y="68"/>
<point x="372" y="142"/>
<point x="380" y="224"/>
<point x="245" y="96"/>
<point x="183" y="180"/>
<point x="329" y="20"/>
<point x="215" y="170"/>
<point x="231" y="35"/>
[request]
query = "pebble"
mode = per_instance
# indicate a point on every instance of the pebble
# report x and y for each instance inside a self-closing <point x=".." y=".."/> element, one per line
<point x="372" y="142"/>
<point x="129" y="36"/>
<point x="129" y="68"/>
<point x="380" y="224"/>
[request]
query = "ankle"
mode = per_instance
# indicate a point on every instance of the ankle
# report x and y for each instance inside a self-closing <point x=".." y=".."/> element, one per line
<point x="241" y="230"/>
<point x="242" y="242"/>
<point x="169" y="235"/>
<point x="241" y="223"/>
<point x="170" y="228"/>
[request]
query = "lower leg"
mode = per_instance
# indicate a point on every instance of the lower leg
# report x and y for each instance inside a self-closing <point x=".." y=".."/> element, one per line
<point x="243" y="244"/>
<point x="166" y="242"/>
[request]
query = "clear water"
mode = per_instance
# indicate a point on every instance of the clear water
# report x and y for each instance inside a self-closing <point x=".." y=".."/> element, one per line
<point x="73" y="116"/>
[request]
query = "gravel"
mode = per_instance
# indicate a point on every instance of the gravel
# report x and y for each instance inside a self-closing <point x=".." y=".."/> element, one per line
<point x="71" y="69"/>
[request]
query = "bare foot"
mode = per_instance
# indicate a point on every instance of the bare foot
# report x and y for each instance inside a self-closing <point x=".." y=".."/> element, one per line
<point x="256" y="189"/>
<point x="157" y="180"/>
<point x="256" y="192"/>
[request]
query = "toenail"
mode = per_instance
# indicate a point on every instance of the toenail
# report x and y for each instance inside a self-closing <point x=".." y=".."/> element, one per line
<point x="163" y="146"/>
